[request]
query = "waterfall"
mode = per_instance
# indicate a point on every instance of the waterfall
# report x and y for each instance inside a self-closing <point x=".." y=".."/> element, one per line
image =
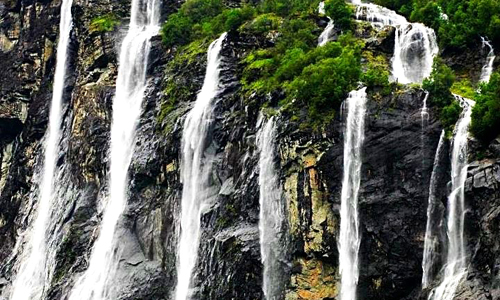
<point x="424" y="117"/>
<point x="321" y="8"/>
<point x="196" y="170"/>
<point x="490" y="59"/>
<point x="33" y="274"/>
<point x="415" y="44"/>
<point x="130" y="87"/>
<point x="455" y="267"/>
<point x="424" y="113"/>
<point x="325" y="35"/>
<point x="414" y="51"/>
<point x="272" y="212"/>
<point x="350" y="237"/>
<point x="431" y="230"/>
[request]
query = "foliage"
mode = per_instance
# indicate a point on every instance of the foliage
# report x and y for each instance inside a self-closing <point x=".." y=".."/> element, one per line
<point x="286" y="8"/>
<point x="449" y="116"/>
<point x="197" y="19"/>
<point x="105" y="23"/>
<point x="464" y="88"/>
<point x="429" y="14"/>
<point x="325" y="84"/>
<point x="440" y="81"/>
<point x="377" y="74"/>
<point x="340" y="12"/>
<point x="439" y="85"/>
<point x="486" y="113"/>
<point x="316" y="78"/>
<point x="467" y="19"/>
<point x="265" y="23"/>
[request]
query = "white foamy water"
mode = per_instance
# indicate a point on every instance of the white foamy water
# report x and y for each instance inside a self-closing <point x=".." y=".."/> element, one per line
<point x="431" y="230"/>
<point x="94" y="284"/>
<point x="350" y="237"/>
<point x="195" y="171"/>
<point x="415" y="44"/>
<point x="325" y="35"/>
<point x="321" y="8"/>
<point x="272" y="211"/>
<point x="490" y="59"/>
<point x="424" y="113"/>
<point x="456" y="259"/>
<point x="34" y="272"/>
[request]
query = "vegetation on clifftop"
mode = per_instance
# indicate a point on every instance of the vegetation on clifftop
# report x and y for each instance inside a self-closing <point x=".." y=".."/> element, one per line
<point x="458" y="23"/>
<point x="486" y="113"/>
<point x="309" y="77"/>
<point x="315" y="79"/>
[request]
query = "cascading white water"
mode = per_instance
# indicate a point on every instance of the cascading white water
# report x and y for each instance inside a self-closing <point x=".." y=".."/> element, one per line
<point x="424" y="117"/>
<point x="424" y="113"/>
<point x="415" y="45"/>
<point x="321" y="8"/>
<point x="130" y="87"/>
<point x="350" y="237"/>
<point x="490" y="59"/>
<point x="33" y="272"/>
<point x="325" y="35"/>
<point x="415" y="48"/>
<point x="379" y="16"/>
<point x="456" y="259"/>
<point x="272" y="211"/>
<point x="431" y="231"/>
<point x="195" y="170"/>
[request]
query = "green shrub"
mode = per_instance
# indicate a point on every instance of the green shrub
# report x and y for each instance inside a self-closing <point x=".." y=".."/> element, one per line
<point x="297" y="33"/>
<point x="234" y="18"/>
<point x="439" y="83"/>
<point x="286" y="8"/>
<point x="323" y="85"/>
<point x="177" y="30"/>
<point x="464" y="88"/>
<point x="486" y="113"/>
<point x="265" y="23"/>
<point x="429" y="14"/>
<point x="449" y="116"/>
<point x="439" y="86"/>
<point x="201" y="10"/>
<point x="189" y="22"/>
<point x="340" y="12"/>
<point x="105" y="23"/>
<point x="377" y="74"/>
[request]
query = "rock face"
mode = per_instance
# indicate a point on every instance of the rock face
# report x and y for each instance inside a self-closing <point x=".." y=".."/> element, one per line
<point x="397" y="162"/>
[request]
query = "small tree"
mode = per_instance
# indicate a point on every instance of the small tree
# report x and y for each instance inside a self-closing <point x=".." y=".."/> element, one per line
<point x="340" y="12"/>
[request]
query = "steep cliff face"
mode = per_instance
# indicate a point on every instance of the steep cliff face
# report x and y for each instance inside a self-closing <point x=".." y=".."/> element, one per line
<point x="397" y="164"/>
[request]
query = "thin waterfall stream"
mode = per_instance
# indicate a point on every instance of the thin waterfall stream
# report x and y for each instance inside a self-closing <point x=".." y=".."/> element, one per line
<point x="195" y="170"/>
<point x="34" y="273"/>
<point x="272" y="212"/>
<point x="431" y="239"/>
<point x="456" y="260"/>
<point x="130" y="87"/>
<point x="350" y="237"/>
<point x="490" y="59"/>
<point x="325" y="35"/>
